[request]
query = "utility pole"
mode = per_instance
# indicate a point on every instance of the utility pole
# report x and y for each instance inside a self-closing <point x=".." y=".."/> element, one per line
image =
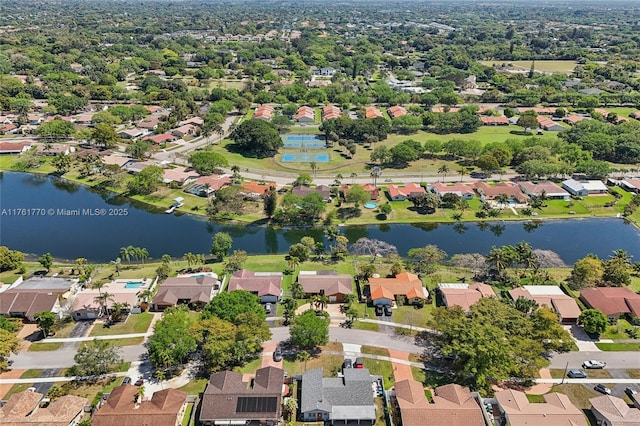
<point x="565" y="373"/>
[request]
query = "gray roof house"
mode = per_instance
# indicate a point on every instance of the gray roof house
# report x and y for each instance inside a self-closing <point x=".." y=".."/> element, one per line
<point x="584" y="187"/>
<point x="338" y="400"/>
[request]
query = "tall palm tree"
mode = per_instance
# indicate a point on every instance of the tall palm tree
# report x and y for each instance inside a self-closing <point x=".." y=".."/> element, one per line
<point x="125" y="253"/>
<point x="462" y="171"/>
<point x="144" y="254"/>
<point x="117" y="263"/>
<point x="103" y="299"/>
<point x="503" y="199"/>
<point x="353" y="177"/>
<point x="314" y="167"/>
<point x="293" y="262"/>
<point x="444" y="169"/>
<point x="375" y="174"/>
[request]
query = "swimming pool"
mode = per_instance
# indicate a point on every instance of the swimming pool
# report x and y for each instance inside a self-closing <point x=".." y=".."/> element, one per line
<point x="305" y="158"/>
<point x="370" y="205"/>
<point x="133" y="284"/>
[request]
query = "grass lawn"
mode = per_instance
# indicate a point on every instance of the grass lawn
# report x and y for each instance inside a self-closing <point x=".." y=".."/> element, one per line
<point x="373" y="350"/>
<point x="64" y="328"/>
<point x="330" y="364"/>
<point x="250" y="367"/>
<point x="618" y="347"/>
<point x="17" y="388"/>
<point x="41" y="346"/>
<point x="195" y="386"/>
<point x="370" y="326"/>
<point x="579" y="396"/>
<point x="135" y="323"/>
<point x="412" y="316"/>
<point x="535" y="398"/>
<point x="618" y="330"/>
<point x="31" y="373"/>
<point x="380" y="414"/>
<point x="634" y="373"/>
<point x="380" y="368"/>
<point x="557" y="373"/>
<point x="187" y="415"/>
<point x="128" y="341"/>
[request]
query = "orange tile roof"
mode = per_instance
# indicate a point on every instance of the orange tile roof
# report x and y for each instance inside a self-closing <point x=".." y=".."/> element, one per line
<point x="372" y="112"/>
<point x="396" y="111"/>
<point x="404" y="284"/>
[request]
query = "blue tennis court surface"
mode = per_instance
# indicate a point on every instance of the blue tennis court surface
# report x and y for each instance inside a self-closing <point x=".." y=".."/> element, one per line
<point x="305" y="158"/>
<point x="303" y="141"/>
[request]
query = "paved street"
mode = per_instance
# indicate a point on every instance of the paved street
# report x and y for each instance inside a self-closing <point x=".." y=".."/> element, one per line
<point x="63" y="358"/>
<point x="622" y="360"/>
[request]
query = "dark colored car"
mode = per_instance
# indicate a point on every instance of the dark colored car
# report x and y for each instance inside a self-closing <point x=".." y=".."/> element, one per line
<point x="387" y="310"/>
<point x="630" y="392"/>
<point x="277" y="354"/>
<point x="379" y="310"/>
<point x="577" y="374"/>
<point x="358" y="363"/>
<point x="139" y="382"/>
<point x="126" y="380"/>
<point x="602" y="388"/>
<point x="347" y="364"/>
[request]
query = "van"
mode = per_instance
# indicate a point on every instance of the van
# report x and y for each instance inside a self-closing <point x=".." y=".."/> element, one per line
<point x="358" y="363"/>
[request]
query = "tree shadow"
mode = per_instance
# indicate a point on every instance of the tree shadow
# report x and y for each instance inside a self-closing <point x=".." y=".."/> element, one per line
<point x="344" y="213"/>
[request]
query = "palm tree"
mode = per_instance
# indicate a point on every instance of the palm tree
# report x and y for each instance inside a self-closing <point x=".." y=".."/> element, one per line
<point x="444" y="169"/>
<point x="140" y="393"/>
<point x="375" y="174"/>
<point x="160" y="376"/>
<point x="622" y="255"/>
<point x="293" y="262"/>
<point x="462" y="171"/>
<point x="297" y="291"/>
<point x="314" y="167"/>
<point x="303" y="356"/>
<point x="125" y="253"/>
<point x="500" y="258"/>
<point x="190" y="258"/>
<point x="503" y="199"/>
<point x="102" y="300"/>
<point x="338" y="180"/>
<point x="353" y="177"/>
<point x="292" y="408"/>
<point x="143" y="253"/>
<point x="320" y="300"/>
<point x="117" y="263"/>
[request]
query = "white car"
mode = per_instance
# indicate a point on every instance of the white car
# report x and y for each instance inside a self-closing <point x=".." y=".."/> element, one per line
<point x="592" y="363"/>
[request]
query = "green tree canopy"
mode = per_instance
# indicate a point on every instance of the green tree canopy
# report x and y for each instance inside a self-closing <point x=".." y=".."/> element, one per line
<point x="96" y="358"/>
<point x="257" y="138"/>
<point x="309" y="330"/>
<point x="10" y="259"/>
<point x="229" y="306"/>
<point x="172" y="340"/>
<point x="593" y="321"/>
<point x="206" y="162"/>
<point x="221" y="244"/>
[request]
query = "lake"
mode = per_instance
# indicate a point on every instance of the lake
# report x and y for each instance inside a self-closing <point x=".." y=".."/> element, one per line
<point x="44" y="214"/>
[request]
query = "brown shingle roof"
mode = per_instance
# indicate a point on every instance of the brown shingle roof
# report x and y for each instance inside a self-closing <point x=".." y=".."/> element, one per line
<point x="615" y="410"/>
<point x="263" y="285"/>
<point x="465" y="297"/>
<point x="612" y="300"/>
<point x="22" y="409"/>
<point x="29" y="303"/>
<point x="194" y="289"/>
<point x="331" y="284"/>
<point x="557" y="410"/>
<point x="220" y="398"/>
<point x="120" y="408"/>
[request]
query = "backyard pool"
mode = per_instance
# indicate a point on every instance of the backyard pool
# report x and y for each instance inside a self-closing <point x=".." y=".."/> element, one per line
<point x="370" y="205"/>
<point x="133" y="284"/>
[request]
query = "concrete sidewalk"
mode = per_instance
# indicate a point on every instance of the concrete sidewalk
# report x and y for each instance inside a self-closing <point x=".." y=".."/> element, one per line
<point x="583" y="381"/>
<point x="91" y="338"/>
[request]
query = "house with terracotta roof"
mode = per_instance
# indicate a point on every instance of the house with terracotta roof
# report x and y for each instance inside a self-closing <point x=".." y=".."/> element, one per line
<point x="614" y="302"/>
<point x="453" y="405"/>
<point x="490" y="120"/>
<point x="192" y="291"/>
<point x="122" y="291"/>
<point x="122" y="408"/>
<point x="557" y="410"/>
<point x="401" y="193"/>
<point x="463" y="191"/>
<point x="305" y="114"/>
<point x="384" y="291"/>
<point x="229" y="400"/>
<point x="550" y="190"/>
<point x="548" y="124"/>
<point x="195" y="121"/>
<point x="537" y="110"/>
<point x="488" y="192"/>
<point x="266" y="285"/>
<point x="440" y="109"/>
<point x="396" y="111"/>
<point x="613" y="411"/>
<point x="329" y="283"/>
<point x="464" y="295"/>
<point x="372" y="112"/>
<point x="346" y="400"/>
<point x="631" y="185"/>
<point x="8" y="129"/>
<point x="552" y="297"/>
<point x="330" y="111"/>
<point x="573" y="119"/>
<point x="180" y="175"/>
<point x="161" y="138"/>
<point x="256" y="189"/>
<point x="371" y="189"/>
<point x="263" y="112"/>
<point x="10" y="148"/>
<point x="182" y="131"/>
<point x="23" y="408"/>
<point x="204" y="186"/>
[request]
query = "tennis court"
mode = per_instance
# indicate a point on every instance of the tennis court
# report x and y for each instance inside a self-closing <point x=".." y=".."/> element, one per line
<point x="305" y="158"/>
<point x="303" y="141"/>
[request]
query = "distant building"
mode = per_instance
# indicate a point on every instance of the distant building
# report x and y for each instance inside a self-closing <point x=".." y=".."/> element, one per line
<point x="584" y="187"/>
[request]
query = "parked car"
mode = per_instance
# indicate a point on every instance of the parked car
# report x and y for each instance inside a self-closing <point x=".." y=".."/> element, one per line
<point x="387" y="310"/>
<point x="126" y="380"/>
<point x="630" y="392"/>
<point x="602" y="388"/>
<point x="277" y="354"/>
<point x="577" y="374"/>
<point x="379" y="310"/>
<point x="358" y="363"/>
<point x="31" y="389"/>
<point x="592" y="363"/>
<point x="139" y="382"/>
<point x="267" y="308"/>
<point x="347" y="363"/>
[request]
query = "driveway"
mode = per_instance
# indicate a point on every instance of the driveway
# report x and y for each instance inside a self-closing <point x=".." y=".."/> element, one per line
<point x="582" y="339"/>
<point x="267" y="355"/>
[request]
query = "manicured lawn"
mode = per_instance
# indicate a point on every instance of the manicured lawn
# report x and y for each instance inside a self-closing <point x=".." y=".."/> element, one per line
<point x="634" y="373"/>
<point x="578" y="394"/>
<point x="135" y="323"/>
<point x="41" y="346"/>
<point x="17" y="388"/>
<point x="250" y="367"/>
<point x="31" y="373"/>
<point x="412" y="316"/>
<point x="618" y="347"/>
<point x="618" y="330"/>
<point x="187" y="415"/>
<point x="370" y="326"/>
<point x="380" y="368"/>
<point x="330" y="364"/>
<point x="373" y="350"/>
<point x="535" y="398"/>
<point x="559" y="66"/>
<point x="128" y="341"/>
<point x="195" y="386"/>
<point x="64" y="328"/>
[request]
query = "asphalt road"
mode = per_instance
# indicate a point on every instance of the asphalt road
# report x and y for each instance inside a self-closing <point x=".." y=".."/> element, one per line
<point x="63" y="358"/>
<point x="614" y="360"/>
